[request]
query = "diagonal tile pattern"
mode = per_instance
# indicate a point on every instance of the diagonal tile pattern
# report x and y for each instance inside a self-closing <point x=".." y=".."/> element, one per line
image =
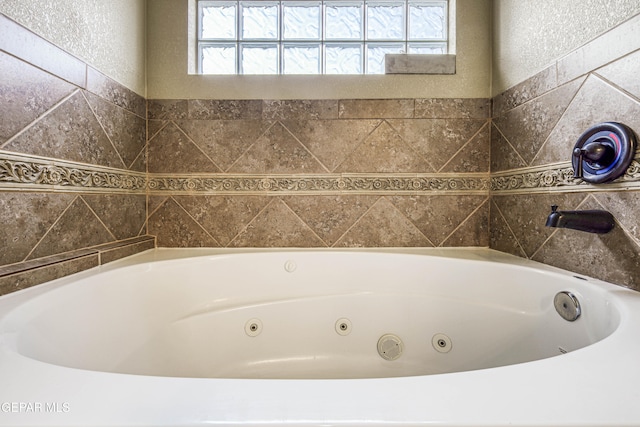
<point x="536" y="124"/>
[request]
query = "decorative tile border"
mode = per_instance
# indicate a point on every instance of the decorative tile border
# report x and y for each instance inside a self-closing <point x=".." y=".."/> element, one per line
<point x="228" y="184"/>
<point x="558" y="177"/>
<point x="18" y="172"/>
<point x="30" y="172"/>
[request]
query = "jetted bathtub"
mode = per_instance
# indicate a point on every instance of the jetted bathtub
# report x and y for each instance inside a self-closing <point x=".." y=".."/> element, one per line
<point x="321" y="338"/>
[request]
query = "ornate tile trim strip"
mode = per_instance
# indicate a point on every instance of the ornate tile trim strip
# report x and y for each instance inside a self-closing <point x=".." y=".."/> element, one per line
<point x="318" y="184"/>
<point x="25" y="172"/>
<point x="558" y="178"/>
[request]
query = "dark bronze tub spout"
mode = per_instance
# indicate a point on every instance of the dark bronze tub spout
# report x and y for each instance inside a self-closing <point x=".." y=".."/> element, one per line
<point x="591" y="221"/>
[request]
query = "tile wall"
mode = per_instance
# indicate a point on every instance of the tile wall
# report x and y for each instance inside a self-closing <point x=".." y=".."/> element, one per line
<point x="534" y="128"/>
<point x="72" y="163"/>
<point x="90" y="171"/>
<point x="348" y="173"/>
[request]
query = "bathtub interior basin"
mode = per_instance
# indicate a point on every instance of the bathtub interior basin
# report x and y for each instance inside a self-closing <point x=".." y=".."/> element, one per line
<point x="306" y="315"/>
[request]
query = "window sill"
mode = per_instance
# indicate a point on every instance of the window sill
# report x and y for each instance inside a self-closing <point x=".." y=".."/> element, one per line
<point x="420" y="64"/>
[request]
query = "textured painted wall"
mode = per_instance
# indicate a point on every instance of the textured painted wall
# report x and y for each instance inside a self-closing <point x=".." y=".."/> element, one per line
<point x="528" y="35"/>
<point x="109" y="35"/>
<point x="168" y="62"/>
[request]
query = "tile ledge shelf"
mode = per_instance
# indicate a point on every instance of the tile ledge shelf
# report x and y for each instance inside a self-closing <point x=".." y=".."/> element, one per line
<point x="29" y="273"/>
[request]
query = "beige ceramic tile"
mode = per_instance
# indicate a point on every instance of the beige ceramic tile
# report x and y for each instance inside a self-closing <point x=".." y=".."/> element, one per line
<point x="437" y="140"/>
<point x="456" y="108"/>
<point x="376" y="109"/>
<point x="277" y="226"/>
<point x="125" y="130"/>
<point x="596" y="102"/>
<point x="300" y="109"/>
<point x="171" y="151"/>
<point x="383" y="226"/>
<point x="122" y="214"/>
<point x="70" y="132"/>
<point x="25" y="94"/>
<point x="224" y="141"/>
<point x="223" y="216"/>
<point x="174" y="228"/>
<point x="26" y="217"/>
<point x="437" y="216"/>
<point x="77" y="228"/>
<point x="277" y="151"/>
<point x="473" y="157"/>
<point x="528" y="126"/>
<point x="501" y="237"/>
<point x="384" y="151"/>
<point x="331" y="141"/>
<point x="330" y="216"/>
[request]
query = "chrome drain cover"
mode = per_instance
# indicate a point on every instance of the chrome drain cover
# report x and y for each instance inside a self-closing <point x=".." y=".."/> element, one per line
<point x="567" y="306"/>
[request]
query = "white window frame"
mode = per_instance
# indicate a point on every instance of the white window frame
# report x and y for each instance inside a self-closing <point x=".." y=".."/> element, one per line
<point x="448" y="42"/>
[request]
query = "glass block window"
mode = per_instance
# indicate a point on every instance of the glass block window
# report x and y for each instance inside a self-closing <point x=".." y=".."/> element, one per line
<point x="315" y="36"/>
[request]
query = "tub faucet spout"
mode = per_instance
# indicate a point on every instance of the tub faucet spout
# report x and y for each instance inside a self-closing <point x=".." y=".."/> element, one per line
<point x="591" y="221"/>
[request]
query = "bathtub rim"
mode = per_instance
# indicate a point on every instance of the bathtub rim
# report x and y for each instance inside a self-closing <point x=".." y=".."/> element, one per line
<point x="443" y="391"/>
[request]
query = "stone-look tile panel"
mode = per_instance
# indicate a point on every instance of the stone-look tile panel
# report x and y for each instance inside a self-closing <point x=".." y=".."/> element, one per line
<point x="384" y="151"/>
<point x="126" y="131"/>
<point x="473" y="156"/>
<point x="526" y="215"/>
<point x="624" y="73"/>
<point x="277" y="151"/>
<point x="120" y="251"/>
<point x="124" y="215"/>
<point x="90" y="130"/>
<point x="210" y="109"/>
<point x="438" y="217"/>
<point x="596" y="102"/>
<point x="613" y="256"/>
<point x="167" y="109"/>
<point x="456" y="108"/>
<point x="277" y="226"/>
<point x="70" y="132"/>
<point x="330" y="216"/>
<point x="474" y="231"/>
<point x="625" y="207"/>
<point x="172" y="151"/>
<point x="376" y="109"/>
<point x="527" y="127"/>
<point x="501" y="237"/>
<point x="223" y="141"/>
<point x="383" y="225"/>
<point x="23" y="275"/>
<point x="300" y="109"/>
<point x="503" y="155"/>
<point x="115" y="93"/>
<point x="174" y="228"/>
<point x="26" y="217"/>
<point x="331" y="141"/>
<point x="67" y="234"/>
<point x="25" y="94"/>
<point x="531" y="88"/>
<point x="519" y="212"/>
<point x="319" y="220"/>
<point x="437" y="140"/>
<point x="223" y="217"/>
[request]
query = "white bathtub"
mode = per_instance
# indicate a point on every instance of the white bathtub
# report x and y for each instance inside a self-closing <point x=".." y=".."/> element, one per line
<point x="319" y="338"/>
